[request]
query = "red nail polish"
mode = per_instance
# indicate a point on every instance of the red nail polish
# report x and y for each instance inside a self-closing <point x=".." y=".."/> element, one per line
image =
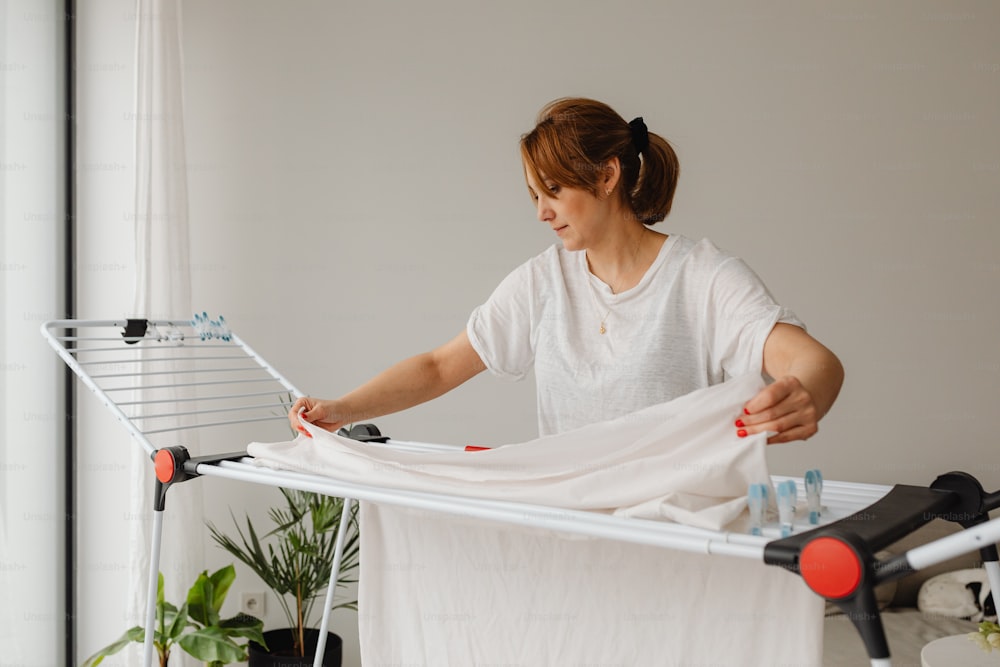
<point x="742" y="433"/>
<point x="739" y="423"/>
<point x="745" y="411"/>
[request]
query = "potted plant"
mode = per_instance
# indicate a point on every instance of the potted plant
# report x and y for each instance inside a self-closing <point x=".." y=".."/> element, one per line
<point x="296" y="564"/>
<point x="196" y="626"/>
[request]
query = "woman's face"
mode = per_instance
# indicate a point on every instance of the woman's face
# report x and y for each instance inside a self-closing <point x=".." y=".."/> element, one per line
<point x="577" y="217"/>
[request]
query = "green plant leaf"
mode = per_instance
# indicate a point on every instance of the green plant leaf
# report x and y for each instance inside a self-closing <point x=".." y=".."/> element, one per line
<point x="221" y="579"/>
<point x="296" y="541"/>
<point x="211" y="644"/>
<point x="159" y="603"/>
<point x="199" y="599"/>
<point x="206" y="596"/>
<point x="136" y="634"/>
<point x="174" y="623"/>
<point x="245" y="625"/>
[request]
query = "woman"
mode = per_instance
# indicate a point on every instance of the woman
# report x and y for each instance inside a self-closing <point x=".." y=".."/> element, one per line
<point x="619" y="317"/>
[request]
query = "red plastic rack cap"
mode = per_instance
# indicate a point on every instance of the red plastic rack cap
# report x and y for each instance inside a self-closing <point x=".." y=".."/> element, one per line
<point x="830" y="567"/>
<point x="164" y="464"/>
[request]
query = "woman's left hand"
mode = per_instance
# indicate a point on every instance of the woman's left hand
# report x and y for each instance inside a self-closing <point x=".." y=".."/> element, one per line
<point x="784" y="407"/>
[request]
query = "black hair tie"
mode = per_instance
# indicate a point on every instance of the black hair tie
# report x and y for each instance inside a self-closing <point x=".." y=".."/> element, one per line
<point x="640" y="135"/>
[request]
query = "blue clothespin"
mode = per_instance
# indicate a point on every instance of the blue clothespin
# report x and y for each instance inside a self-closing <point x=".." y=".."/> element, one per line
<point x="218" y="329"/>
<point x="787" y="497"/>
<point x="200" y="324"/>
<point x="208" y="329"/>
<point x="814" y="492"/>
<point x="757" y="504"/>
<point x="223" y="328"/>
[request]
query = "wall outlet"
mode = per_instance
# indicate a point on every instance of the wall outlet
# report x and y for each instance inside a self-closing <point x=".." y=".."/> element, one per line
<point x="253" y="604"/>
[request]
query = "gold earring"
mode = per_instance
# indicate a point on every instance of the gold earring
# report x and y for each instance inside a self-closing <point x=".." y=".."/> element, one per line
<point x="608" y="192"/>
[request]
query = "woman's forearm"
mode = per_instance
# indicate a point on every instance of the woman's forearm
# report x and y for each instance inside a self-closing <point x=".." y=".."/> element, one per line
<point x="790" y="351"/>
<point x="408" y="383"/>
<point x="822" y="375"/>
<point x="807" y="379"/>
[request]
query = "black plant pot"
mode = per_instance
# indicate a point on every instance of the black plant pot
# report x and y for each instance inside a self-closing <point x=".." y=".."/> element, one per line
<point x="279" y="650"/>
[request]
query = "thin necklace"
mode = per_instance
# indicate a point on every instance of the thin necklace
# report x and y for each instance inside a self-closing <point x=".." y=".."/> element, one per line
<point x="593" y="293"/>
<point x="604" y="320"/>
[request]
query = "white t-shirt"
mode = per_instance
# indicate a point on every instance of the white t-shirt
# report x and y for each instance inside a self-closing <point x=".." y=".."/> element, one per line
<point x="698" y="317"/>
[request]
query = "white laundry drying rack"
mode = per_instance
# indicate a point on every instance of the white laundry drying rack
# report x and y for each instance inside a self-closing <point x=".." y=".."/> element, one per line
<point x="226" y="383"/>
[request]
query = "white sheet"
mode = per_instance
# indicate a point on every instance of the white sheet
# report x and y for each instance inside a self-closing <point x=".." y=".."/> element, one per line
<point x="679" y="460"/>
<point x="436" y="590"/>
<point x="439" y="590"/>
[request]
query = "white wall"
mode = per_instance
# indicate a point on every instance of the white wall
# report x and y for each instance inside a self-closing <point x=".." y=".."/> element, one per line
<point x="355" y="191"/>
<point x="32" y="177"/>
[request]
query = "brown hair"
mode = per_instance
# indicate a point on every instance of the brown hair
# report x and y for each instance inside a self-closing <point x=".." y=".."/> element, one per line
<point x="574" y="138"/>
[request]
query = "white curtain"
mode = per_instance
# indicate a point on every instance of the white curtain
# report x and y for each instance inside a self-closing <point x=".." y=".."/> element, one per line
<point x="162" y="280"/>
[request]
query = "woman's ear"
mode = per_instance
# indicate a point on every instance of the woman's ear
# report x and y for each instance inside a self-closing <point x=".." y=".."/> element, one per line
<point x="610" y="175"/>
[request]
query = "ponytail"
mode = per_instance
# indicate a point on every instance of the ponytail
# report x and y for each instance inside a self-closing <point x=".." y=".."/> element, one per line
<point x="653" y="193"/>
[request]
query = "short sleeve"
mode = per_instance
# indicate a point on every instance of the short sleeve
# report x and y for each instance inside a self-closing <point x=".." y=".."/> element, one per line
<point x="740" y="314"/>
<point x="500" y="328"/>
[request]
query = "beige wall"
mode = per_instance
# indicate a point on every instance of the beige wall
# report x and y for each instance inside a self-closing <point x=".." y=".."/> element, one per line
<point x="356" y="190"/>
<point x="354" y="169"/>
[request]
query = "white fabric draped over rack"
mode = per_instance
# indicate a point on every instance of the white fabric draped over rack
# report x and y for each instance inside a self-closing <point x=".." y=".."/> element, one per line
<point x="162" y="278"/>
<point x="681" y="461"/>
<point x="441" y="590"/>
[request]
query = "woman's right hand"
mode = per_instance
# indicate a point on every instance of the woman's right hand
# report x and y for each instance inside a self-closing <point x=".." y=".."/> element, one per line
<point x="317" y="412"/>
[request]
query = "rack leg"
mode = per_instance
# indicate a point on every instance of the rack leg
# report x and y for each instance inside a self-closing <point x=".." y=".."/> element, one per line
<point x="862" y="609"/>
<point x="154" y="575"/>
<point x="993" y="574"/>
<point x="990" y="557"/>
<point x="338" y="553"/>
